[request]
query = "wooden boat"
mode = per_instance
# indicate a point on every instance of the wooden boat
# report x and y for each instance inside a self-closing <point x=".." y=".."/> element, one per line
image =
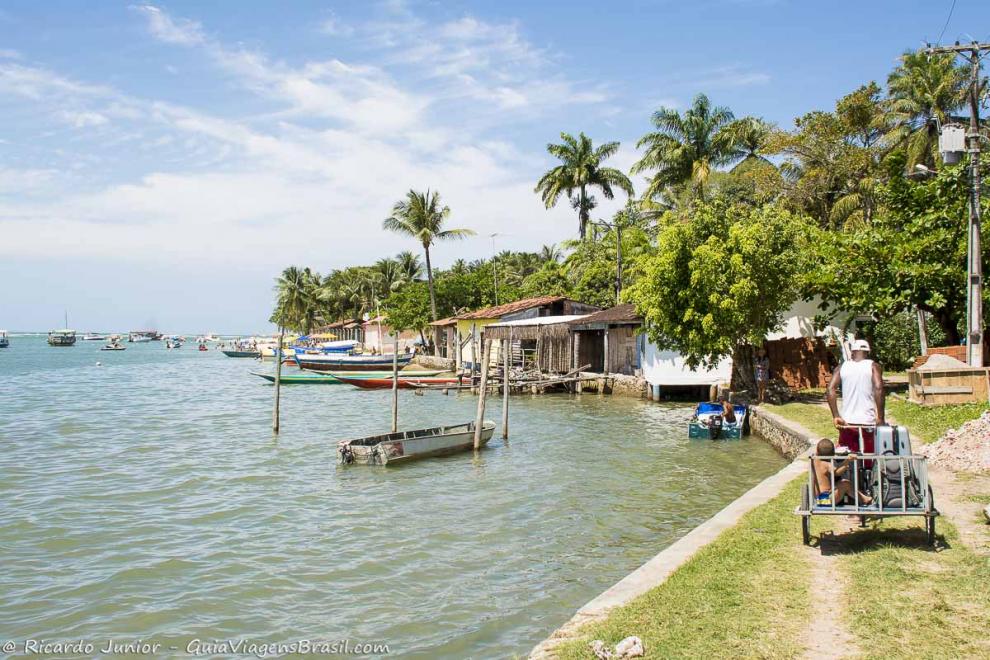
<point x="307" y="378"/>
<point x="405" y="382"/>
<point x="62" y="338"/>
<point x="403" y="373"/>
<point x="405" y="446"/>
<point x="339" y="362"/>
<point x="708" y="422"/>
<point x="241" y="354"/>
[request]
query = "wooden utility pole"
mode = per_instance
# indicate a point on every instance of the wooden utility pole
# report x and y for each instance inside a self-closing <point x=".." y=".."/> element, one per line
<point x="972" y="53"/>
<point x="278" y="378"/>
<point x="479" y="419"/>
<point x="395" y="383"/>
<point x="506" y="348"/>
<point x="922" y="330"/>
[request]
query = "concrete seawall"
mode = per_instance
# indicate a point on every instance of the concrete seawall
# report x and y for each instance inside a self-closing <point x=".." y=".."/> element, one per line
<point x="790" y="438"/>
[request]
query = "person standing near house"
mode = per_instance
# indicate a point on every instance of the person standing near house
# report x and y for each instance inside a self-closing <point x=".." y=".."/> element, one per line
<point x="761" y="371"/>
<point x="861" y="382"/>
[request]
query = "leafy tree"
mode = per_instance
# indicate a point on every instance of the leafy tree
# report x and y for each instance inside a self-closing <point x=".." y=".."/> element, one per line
<point x="720" y="280"/>
<point x="422" y="216"/>
<point x="550" y="280"/>
<point x="297" y="304"/>
<point x="551" y="254"/>
<point x="912" y="254"/>
<point x="409" y="307"/>
<point x="685" y="149"/>
<point x="580" y="169"/>
<point x="409" y="265"/>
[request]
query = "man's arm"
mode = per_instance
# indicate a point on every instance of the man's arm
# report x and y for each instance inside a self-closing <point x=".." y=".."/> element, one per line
<point x="878" y="393"/>
<point x="833" y="398"/>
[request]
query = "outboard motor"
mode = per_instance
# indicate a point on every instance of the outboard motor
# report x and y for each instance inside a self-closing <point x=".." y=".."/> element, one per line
<point x="714" y="427"/>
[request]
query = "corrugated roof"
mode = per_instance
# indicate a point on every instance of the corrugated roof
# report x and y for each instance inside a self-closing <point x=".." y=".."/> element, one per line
<point x="508" y="308"/>
<point x="450" y="320"/>
<point x="617" y="314"/>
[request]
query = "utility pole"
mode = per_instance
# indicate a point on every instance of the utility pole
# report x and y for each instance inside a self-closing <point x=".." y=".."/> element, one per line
<point x="972" y="53"/>
<point x="495" y="267"/>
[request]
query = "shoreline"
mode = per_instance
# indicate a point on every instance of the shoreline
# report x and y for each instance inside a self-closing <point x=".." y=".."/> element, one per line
<point x="785" y="436"/>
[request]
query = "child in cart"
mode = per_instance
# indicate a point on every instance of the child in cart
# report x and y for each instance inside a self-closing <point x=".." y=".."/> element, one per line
<point x="823" y="476"/>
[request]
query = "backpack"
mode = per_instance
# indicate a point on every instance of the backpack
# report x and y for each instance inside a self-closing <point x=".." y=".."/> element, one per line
<point x="895" y="486"/>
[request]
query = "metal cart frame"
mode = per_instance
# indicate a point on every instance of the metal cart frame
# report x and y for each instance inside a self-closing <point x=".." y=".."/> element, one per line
<point x="911" y="466"/>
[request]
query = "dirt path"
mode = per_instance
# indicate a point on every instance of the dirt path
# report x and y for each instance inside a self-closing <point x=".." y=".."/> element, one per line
<point x="827" y="637"/>
<point x="956" y="498"/>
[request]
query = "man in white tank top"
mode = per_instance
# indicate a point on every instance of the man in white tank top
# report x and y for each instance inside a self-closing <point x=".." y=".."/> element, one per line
<point x="861" y="382"/>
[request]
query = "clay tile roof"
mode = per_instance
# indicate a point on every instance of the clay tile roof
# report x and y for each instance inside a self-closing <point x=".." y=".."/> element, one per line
<point x="509" y="308"/>
<point x="450" y="320"/>
<point x="617" y="314"/>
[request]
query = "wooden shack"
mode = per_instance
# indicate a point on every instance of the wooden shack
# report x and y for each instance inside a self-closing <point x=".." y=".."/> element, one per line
<point x="607" y="340"/>
<point x="543" y="343"/>
<point x="444" y="337"/>
<point x="939" y="386"/>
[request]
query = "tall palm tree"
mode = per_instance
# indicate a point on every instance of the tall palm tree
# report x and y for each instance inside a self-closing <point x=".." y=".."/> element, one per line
<point x="580" y="169"/>
<point x="750" y="138"/>
<point x="923" y="89"/>
<point x="297" y="304"/>
<point x="422" y="216"/>
<point x="686" y="148"/>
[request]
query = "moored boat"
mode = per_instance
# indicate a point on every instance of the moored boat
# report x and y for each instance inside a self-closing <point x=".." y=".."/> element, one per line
<point x="405" y="382"/>
<point x="114" y="344"/>
<point x="62" y="338"/>
<point x="4" y="339"/>
<point x="342" y="362"/>
<point x="241" y="354"/>
<point x="404" y="446"/>
<point x="709" y="422"/>
<point x="93" y="336"/>
<point x="304" y="378"/>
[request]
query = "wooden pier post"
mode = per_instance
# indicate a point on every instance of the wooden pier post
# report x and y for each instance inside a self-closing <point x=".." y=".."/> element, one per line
<point x="395" y="384"/>
<point x="278" y="379"/>
<point x="506" y="343"/>
<point x="479" y="419"/>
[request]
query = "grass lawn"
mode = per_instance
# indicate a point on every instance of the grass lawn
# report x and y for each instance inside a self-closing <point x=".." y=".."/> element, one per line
<point x="813" y="416"/>
<point x="905" y="601"/>
<point x="928" y="423"/>
<point x="744" y="595"/>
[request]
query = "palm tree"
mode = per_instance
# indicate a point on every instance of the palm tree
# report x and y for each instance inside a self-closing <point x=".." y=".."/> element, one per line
<point x="580" y="169"/>
<point x="422" y="216"/>
<point x="923" y="89"/>
<point x="750" y="137"/>
<point x="409" y="265"/>
<point x="550" y="254"/>
<point x="297" y="304"/>
<point x="686" y="148"/>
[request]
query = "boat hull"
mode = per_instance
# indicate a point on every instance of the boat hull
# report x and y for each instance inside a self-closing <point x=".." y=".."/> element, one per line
<point x="301" y="379"/>
<point x="405" y="383"/>
<point x="241" y="354"/>
<point x="406" y="446"/>
<point x="329" y="362"/>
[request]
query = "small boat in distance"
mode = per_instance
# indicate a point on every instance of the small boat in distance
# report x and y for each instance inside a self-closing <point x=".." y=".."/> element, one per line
<point x="304" y="378"/>
<point x="4" y="339"/>
<point x="242" y="354"/>
<point x="92" y="336"/>
<point x="62" y="338"/>
<point x="114" y="344"/>
<point x="143" y="336"/>
<point x="405" y="446"/>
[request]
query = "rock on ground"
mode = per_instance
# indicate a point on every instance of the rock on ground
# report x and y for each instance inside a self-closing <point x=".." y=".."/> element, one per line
<point x="966" y="449"/>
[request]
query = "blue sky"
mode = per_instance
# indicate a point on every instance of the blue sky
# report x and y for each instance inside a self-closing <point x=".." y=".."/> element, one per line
<point x="161" y="163"/>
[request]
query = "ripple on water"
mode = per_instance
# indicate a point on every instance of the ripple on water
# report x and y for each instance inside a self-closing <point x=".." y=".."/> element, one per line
<point x="148" y="497"/>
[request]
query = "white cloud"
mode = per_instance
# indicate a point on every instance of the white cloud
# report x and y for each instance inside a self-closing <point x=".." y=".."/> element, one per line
<point x="165" y="28"/>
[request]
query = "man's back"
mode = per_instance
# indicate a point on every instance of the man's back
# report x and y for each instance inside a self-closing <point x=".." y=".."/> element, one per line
<point x="858" y="402"/>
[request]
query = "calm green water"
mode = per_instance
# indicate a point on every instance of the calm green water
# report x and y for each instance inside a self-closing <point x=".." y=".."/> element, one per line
<point x="147" y="498"/>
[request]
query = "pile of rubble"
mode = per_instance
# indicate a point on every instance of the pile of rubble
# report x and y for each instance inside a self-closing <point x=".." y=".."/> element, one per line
<point x="966" y="449"/>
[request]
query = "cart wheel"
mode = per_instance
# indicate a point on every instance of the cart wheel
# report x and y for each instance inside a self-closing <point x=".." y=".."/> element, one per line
<point x="930" y="525"/>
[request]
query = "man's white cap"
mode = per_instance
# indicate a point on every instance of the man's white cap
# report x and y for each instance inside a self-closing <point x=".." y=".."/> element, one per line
<point x="861" y="345"/>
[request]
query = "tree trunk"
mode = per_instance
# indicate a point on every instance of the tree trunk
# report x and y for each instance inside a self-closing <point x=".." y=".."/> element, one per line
<point x="744" y="371"/>
<point x="583" y="215"/>
<point x="949" y="326"/>
<point x="429" y="279"/>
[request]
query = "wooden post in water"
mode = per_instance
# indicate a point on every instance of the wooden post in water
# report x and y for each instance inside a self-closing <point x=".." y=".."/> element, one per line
<point x="479" y="419"/>
<point x="506" y="344"/>
<point x="278" y="378"/>
<point x="395" y="383"/>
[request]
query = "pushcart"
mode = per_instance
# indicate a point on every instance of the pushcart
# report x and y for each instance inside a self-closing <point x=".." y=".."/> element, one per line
<point x="893" y="477"/>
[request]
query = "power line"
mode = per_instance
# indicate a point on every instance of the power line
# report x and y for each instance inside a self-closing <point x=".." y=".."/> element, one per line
<point x="947" y="19"/>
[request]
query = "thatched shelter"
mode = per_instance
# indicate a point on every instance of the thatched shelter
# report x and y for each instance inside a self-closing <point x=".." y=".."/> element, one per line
<point x="542" y="342"/>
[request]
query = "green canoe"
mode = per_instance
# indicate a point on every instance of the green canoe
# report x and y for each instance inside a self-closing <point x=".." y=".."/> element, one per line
<point x="306" y="377"/>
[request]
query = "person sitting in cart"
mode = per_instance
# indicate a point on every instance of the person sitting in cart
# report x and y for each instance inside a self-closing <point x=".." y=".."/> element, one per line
<point x="823" y="476"/>
<point x="861" y="382"/>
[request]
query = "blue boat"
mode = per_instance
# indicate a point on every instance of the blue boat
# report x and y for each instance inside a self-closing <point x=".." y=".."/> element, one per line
<point x="708" y="422"/>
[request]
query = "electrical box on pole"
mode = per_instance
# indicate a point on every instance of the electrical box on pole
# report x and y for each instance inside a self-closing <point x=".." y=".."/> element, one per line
<point x="952" y="143"/>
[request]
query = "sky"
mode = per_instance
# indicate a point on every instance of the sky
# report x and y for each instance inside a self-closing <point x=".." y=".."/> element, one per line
<point x="160" y="164"/>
